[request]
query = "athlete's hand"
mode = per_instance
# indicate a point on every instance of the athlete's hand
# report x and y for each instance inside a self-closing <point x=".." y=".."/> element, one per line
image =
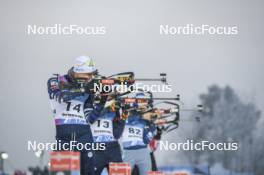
<point x="149" y="116"/>
<point x="159" y="112"/>
<point x="100" y="99"/>
<point x="112" y="105"/>
<point x="115" y="106"/>
<point x="124" y="115"/>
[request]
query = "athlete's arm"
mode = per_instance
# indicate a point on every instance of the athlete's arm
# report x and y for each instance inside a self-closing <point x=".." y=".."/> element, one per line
<point x="149" y="132"/>
<point x="118" y="126"/>
<point x="92" y="111"/>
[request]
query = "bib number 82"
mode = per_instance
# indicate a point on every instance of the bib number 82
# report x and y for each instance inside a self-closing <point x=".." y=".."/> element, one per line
<point x="135" y="131"/>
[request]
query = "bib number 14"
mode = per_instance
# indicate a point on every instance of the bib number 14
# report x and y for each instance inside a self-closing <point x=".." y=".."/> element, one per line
<point x="76" y="107"/>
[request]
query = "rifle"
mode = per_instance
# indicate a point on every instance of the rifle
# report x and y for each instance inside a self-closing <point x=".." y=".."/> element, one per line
<point x="167" y="123"/>
<point x="124" y="78"/>
<point x="167" y="118"/>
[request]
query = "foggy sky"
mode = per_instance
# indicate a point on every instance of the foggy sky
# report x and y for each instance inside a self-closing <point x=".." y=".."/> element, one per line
<point x="132" y="43"/>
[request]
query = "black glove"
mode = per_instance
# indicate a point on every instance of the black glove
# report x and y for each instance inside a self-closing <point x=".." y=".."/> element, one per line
<point x="100" y="99"/>
<point x="158" y="135"/>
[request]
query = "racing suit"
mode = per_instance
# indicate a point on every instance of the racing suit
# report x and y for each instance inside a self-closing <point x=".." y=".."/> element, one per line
<point x="136" y="137"/>
<point x="107" y="129"/>
<point x="72" y="118"/>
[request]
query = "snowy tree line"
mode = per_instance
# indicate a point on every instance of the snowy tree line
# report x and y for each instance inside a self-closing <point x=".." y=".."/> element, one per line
<point x="226" y="118"/>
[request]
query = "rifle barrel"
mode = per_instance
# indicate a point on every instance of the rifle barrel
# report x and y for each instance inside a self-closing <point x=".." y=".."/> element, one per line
<point x="149" y="79"/>
<point x="164" y="98"/>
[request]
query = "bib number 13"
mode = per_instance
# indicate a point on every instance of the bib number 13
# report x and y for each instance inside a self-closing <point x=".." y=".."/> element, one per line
<point x="103" y="123"/>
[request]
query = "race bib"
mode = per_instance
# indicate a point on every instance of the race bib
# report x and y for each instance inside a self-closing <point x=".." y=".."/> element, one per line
<point x="133" y="134"/>
<point x="70" y="112"/>
<point x="102" y="130"/>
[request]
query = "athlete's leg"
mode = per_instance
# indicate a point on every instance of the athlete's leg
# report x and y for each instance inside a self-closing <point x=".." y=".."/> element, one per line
<point x="87" y="156"/>
<point x="114" y="152"/>
<point x="129" y="157"/>
<point x="100" y="161"/>
<point x="143" y="161"/>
